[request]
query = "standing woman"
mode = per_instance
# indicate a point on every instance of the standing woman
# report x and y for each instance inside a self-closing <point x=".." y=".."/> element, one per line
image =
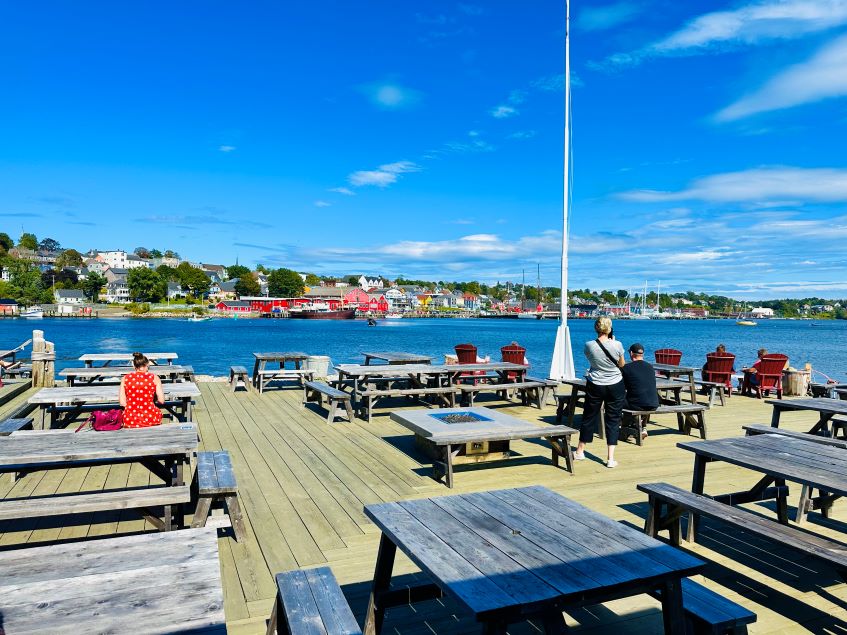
<point x="137" y="394"/>
<point x="604" y="386"/>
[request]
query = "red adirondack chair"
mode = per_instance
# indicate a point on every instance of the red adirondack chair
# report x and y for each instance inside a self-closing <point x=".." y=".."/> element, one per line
<point x="718" y="368"/>
<point x="669" y="356"/>
<point x="514" y="354"/>
<point x="466" y="354"/>
<point x="768" y="374"/>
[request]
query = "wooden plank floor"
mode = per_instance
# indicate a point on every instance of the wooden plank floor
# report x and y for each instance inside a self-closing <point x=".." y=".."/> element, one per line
<point x="303" y="483"/>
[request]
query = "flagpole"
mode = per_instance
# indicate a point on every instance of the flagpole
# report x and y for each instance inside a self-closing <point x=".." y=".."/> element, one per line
<point x="562" y="366"/>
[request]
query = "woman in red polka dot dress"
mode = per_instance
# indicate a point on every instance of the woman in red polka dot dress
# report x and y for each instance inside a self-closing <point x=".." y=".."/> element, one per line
<point x="138" y="390"/>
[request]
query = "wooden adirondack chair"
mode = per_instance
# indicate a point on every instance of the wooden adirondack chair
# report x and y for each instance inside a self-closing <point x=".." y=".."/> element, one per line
<point x="466" y="354"/>
<point x="514" y="354"/>
<point x="669" y="356"/>
<point x="718" y="368"/>
<point x="768" y="375"/>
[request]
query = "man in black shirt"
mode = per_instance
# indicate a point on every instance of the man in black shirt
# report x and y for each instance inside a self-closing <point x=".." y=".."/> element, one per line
<point x="640" y="380"/>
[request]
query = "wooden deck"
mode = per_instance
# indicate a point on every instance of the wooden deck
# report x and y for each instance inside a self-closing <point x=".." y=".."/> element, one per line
<point x="302" y="484"/>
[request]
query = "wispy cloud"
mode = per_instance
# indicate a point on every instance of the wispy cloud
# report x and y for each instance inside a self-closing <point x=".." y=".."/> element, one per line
<point x="346" y="191"/>
<point x="751" y="24"/>
<point x="225" y="148"/>
<point x="824" y="76"/>
<point x="608" y="16"/>
<point x="391" y="95"/>
<point x="383" y="176"/>
<point x="523" y="134"/>
<point x="20" y="215"/>
<point x="474" y="143"/>
<point x="323" y="204"/>
<point x="758" y="184"/>
<point x="193" y="221"/>
<point x="503" y="112"/>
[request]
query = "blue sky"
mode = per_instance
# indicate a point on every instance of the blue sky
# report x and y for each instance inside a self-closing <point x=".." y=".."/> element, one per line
<point x="425" y="139"/>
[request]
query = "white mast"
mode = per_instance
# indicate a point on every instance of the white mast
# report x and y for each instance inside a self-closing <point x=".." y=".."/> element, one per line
<point x="562" y="365"/>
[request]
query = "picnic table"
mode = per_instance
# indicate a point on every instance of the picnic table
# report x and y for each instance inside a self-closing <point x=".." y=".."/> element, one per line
<point x="510" y="555"/>
<point x="91" y="374"/>
<point x="779" y="458"/>
<point x="106" y="359"/>
<point x="151" y="583"/>
<point x="825" y="407"/>
<point x="457" y="436"/>
<point x="64" y="405"/>
<point x="397" y="357"/>
<point x="163" y="450"/>
<point x="670" y="371"/>
<point x="262" y="376"/>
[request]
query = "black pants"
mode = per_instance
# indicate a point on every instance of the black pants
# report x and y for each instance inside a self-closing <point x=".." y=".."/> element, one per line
<point x="614" y="397"/>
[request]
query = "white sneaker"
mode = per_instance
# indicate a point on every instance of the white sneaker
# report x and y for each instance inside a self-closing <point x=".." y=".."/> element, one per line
<point x="611" y="464"/>
<point x="578" y="456"/>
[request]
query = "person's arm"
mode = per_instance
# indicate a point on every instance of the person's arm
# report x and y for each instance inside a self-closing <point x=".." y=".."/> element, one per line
<point x="122" y="394"/>
<point x="621" y="357"/>
<point x="160" y="392"/>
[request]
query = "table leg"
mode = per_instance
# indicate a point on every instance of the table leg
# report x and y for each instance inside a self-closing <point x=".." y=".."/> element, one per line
<point x="672" y="611"/>
<point x="692" y="388"/>
<point x="697" y="485"/>
<point x="179" y="479"/>
<point x="382" y="580"/>
<point x="822" y="426"/>
<point x="781" y="501"/>
<point x="553" y="623"/>
<point x="571" y="411"/>
<point x="777" y="411"/>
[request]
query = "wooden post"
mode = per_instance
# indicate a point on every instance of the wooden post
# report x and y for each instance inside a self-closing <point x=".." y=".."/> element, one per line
<point x="43" y="361"/>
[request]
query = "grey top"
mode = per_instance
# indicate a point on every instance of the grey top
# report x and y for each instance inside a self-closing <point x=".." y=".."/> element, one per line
<point x="602" y="371"/>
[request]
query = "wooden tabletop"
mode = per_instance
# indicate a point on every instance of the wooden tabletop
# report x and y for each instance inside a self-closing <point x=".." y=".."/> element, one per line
<point x="124" y="357"/>
<point x="661" y="384"/>
<point x="399" y="357"/>
<point x="672" y="368"/>
<point x="781" y="456"/>
<point x="818" y="404"/>
<point x="106" y="393"/>
<point x="513" y="553"/>
<point x="151" y="583"/>
<point x="426" y="422"/>
<point x="126" y="443"/>
<point x="118" y="371"/>
<point x="276" y="357"/>
<point x="362" y="370"/>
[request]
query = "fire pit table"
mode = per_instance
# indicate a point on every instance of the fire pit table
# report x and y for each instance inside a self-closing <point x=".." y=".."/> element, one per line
<point x="457" y="436"/>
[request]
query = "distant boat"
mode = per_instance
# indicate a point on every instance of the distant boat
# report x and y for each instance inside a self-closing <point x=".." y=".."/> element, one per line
<point x="199" y="318"/>
<point x="33" y="312"/>
<point x="320" y="311"/>
<point x="745" y="323"/>
<point x="393" y="316"/>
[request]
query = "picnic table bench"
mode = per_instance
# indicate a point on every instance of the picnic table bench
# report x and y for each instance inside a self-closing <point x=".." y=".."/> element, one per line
<point x="826" y="409"/>
<point x="308" y="602"/>
<point x="688" y="417"/>
<point x="397" y="358"/>
<point x="530" y="389"/>
<point x="239" y="374"/>
<point x="507" y="556"/>
<point x="761" y="428"/>
<point x="150" y="583"/>
<point x="671" y="372"/>
<point x="90" y="374"/>
<point x="13" y="424"/>
<point x="164" y="451"/>
<point x="125" y="358"/>
<point x="216" y="484"/>
<point x="318" y="390"/>
<point x="263" y="376"/>
<point x="64" y="405"/>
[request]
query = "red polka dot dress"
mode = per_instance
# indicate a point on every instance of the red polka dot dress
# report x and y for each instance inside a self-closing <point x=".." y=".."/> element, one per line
<point x="140" y="410"/>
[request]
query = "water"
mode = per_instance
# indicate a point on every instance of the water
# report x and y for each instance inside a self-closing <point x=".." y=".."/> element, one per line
<point x="212" y="346"/>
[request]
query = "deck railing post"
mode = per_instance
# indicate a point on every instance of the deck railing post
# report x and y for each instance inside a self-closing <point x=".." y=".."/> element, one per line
<point x="43" y="361"/>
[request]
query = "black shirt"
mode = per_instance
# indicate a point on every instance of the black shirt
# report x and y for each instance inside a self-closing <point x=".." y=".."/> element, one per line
<point x="640" y="381"/>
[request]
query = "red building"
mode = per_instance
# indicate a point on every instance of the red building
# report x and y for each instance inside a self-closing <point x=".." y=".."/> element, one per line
<point x="232" y="306"/>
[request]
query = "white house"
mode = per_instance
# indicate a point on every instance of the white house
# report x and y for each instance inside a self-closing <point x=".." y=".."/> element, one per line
<point x="69" y="296"/>
<point x="370" y="283"/>
<point x="113" y="259"/>
<point x="761" y="312"/>
<point x="117" y="289"/>
<point x="137" y="262"/>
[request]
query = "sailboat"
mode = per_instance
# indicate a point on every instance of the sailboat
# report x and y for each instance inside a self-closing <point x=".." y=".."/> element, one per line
<point x="642" y="314"/>
<point x="533" y="315"/>
<point x="562" y="365"/>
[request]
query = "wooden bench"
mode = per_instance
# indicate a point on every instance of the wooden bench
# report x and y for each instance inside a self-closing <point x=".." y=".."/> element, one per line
<point x="714" y="388"/>
<point x="536" y="390"/>
<point x="309" y="602"/>
<point x="678" y="501"/>
<point x="239" y="374"/>
<point x="710" y="612"/>
<point x="372" y="395"/>
<point x="8" y="426"/>
<point x="265" y="377"/>
<point x="319" y="390"/>
<point x="688" y="417"/>
<point x="216" y="483"/>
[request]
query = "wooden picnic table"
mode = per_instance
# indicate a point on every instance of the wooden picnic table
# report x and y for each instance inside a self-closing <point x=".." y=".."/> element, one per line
<point x="164" y="450"/>
<point x="780" y="458"/>
<point x="150" y="583"/>
<point x="91" y="374"/>
<point x="825" y="407"/>
<point x="64" y="405"/>
<point x="125" y="358"/>
<point x="397" y="357"/>
<point x="510" y="555"/>
<point x="263" y="359"/>
<point x="670" y="371"/>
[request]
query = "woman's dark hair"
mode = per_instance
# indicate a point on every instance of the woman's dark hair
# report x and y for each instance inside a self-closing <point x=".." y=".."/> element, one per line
<point x="720" y="349"/>
<point x="139" y="360"/>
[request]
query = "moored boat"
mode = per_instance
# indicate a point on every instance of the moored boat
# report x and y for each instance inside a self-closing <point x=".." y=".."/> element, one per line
<point x="33" y="312"/>
<point x="393" y="316"/>
<point x="321" y="312"/>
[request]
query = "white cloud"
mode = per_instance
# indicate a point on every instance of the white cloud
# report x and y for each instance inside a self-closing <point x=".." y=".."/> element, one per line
<point x="552" y="83"/>
<point x="517" y="96"/>
<point x="606" y="17"/>
<point x="822" y="77"/>
<point x="226" y="148"/>
<point x="322" y="204"/>
<point x="688" y="257"/>
<point x="523" y="134"/>
<point x="346" y="191"/>
<point x="391" y="95"/>
<point x="766" y="183"/>
<point x="384" y="176"/>
<point x="476" y="144"/>
<point x="503" y="112"/>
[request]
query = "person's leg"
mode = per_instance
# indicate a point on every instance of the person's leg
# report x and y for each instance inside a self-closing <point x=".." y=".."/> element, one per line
<point x="593" y="403"/>
<point x="615" y="399"/>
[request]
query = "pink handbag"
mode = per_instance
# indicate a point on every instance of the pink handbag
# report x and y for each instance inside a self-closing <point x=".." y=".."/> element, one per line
<point x="104" y="420"/>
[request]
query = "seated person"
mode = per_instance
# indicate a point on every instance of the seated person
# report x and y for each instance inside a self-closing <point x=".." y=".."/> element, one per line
<point x="138" y="394"/>
<point x="639" y="378"/>
<point x="750" y="378"/>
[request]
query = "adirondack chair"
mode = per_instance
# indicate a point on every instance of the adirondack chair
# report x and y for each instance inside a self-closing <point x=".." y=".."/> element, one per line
<point x="718" y="368"/>
<point x="514" y="354"/>
<point x="768" y="375"/>
<point x="669" y="356"/>
<point x="466" y="354"/>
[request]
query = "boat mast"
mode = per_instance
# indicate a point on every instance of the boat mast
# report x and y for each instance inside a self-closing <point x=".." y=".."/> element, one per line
<point x="562" y="365"/>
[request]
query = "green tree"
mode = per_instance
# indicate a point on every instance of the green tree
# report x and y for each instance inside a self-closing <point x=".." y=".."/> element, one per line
<point x="285" y="283"/>
<point x="155" y="253"/>
<point x="168" y="273"/>
<point x="61" y="279"/>
<point x="25" y="284"/>
<point x="352" y="280"/>
<point x="6" y="243"/>
<point x="69" y="258"/>
<point x="237" y="271"/>
<point x="28" y="241"/>
<point x="49" y="244"/>
<point x="142" y="252"/>
<point x="247" y="286"/>
<point x="171" y="254"/>
<point x="312" y="280"/>
<point x="192" y="279"/>
<point x="146" y="285"/>
<point x="92" y="285"/>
